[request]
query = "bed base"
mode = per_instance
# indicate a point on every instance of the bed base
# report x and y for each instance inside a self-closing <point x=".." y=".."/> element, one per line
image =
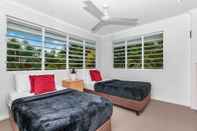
<point x="137" y="106"/>
<point x="105" y="127"/>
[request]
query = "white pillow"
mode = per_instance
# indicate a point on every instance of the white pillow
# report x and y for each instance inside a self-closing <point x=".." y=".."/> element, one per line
<point x="59" y="88"/>
<point x="86" y="76"/>
<point x="23" y="83"/>
<point x="90" y="85"/>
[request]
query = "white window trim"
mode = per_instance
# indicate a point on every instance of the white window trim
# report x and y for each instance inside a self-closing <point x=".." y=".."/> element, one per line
<point x="142" y="40"/>
<point x="126" y="55"/>
<point x="67" y="52"/>
<point x="84" y="54"/>
<point x="43" y="49"/>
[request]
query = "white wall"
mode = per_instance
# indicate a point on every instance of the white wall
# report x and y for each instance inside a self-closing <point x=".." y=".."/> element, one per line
<point x="20" y="11"/>
<point x="172" y="84"/>
<point x="193" y="14"/>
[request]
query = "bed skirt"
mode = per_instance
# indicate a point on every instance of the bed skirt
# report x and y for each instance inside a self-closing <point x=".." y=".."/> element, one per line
<point x="105" y="127"/>
<point x="137" y="106"/>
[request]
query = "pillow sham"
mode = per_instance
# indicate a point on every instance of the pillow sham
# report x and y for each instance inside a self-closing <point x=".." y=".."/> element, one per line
<point x="95" y="75"/>
<point x="42" y="83"/>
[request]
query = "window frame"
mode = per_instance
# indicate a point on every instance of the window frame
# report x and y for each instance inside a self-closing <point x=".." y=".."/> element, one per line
<point x="159" y="33"/>
<point x="55" y="36"/>
<point x="136" y="39"/>
<point x="125" y="48"/>
<point x="76" y="42"/>
<point x="26" y="31"/>
<point x="44" y="29"/>
<point x="142" y="54"/>
<point x="92" y="45"/>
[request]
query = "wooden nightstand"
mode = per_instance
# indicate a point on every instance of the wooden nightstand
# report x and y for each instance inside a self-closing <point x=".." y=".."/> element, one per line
<point x="76" y="85"/>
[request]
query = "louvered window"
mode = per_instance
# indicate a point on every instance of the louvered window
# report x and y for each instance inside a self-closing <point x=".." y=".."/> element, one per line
<point x="35" y="47"/>
<point x="75" y="53"/>
<point x="90" y="55"/>
<point x="153" y="51"/>
<point x="55" y="50"/>
<point x="134" y="53"/>
<point x="24" y="46"/>
<point x="119" y="54"/>
<point x="142" y="52"/>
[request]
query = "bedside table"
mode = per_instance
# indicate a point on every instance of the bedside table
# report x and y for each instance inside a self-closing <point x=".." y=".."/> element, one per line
<point x="76" y="85"/>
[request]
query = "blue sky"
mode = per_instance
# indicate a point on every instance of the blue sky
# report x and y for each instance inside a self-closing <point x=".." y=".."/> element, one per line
<point x="35" y="40"/>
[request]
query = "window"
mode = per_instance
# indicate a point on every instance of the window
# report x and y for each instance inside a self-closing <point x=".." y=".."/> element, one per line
<point x="90" y="55"/>
<point x="24" y="46"/>
<point x="75" y="53"/>
<point x="119" y="54"/>
<point x="143" y="52"/>
<point x="32" y="47"/>
<point x="153" y="52"/>
<point x="134" y="53"/>
<point x="55" y="51"/>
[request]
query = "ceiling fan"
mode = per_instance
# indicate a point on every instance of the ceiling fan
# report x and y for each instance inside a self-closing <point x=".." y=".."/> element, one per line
<point x="104" y="17"/>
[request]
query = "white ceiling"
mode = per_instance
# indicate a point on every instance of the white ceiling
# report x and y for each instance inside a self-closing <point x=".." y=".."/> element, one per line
<point x="146" y="11"/>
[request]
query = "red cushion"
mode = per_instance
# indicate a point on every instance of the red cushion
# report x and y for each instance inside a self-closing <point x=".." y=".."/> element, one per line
<point x="95" y="75"/>
<point x="42" y="83"/>
<point x="31" y="78"/>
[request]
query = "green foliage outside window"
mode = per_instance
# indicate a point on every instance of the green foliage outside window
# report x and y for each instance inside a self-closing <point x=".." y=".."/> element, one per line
<point x="22" y="56"/>
<point x="134" y="54"/>
<point x="153" y="53"/>
<point x="55" y="51"/>
<point x="90" y="57"/>
<point x="147" y="55"/>
<point x="76" y="54"/>
<point x="119" y="56"/>
<point x="25" y="45"/>
<point x="55" y="60"/>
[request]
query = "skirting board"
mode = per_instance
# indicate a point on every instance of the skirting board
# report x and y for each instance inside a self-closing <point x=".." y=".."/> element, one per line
<point x="193" y="108"/>
<point x="4" y="117"/>
<point x="169" y="101"/>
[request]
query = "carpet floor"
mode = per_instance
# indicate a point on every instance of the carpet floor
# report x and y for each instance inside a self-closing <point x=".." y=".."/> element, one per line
<point x="158" y="116"/>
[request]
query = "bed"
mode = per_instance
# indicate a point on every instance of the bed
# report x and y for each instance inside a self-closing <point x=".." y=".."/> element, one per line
<point x="133" y="95"/>
<point x="60" y="110"/>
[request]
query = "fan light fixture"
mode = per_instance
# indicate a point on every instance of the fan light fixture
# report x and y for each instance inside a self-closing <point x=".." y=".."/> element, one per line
<point x="104" y="17"/>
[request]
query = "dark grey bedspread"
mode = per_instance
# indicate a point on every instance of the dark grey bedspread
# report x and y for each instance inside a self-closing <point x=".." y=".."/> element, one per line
<point x="66" y="110"/>
<point x="134" y="90"/>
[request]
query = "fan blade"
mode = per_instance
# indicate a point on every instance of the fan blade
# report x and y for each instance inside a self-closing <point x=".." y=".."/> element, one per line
<point x="122" y="21"/>
<point x="92" y="9"/>
<point x="98" y="26"/>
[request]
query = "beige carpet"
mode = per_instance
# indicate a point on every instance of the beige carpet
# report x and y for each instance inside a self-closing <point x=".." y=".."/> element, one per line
<point x="157" y="117"/>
